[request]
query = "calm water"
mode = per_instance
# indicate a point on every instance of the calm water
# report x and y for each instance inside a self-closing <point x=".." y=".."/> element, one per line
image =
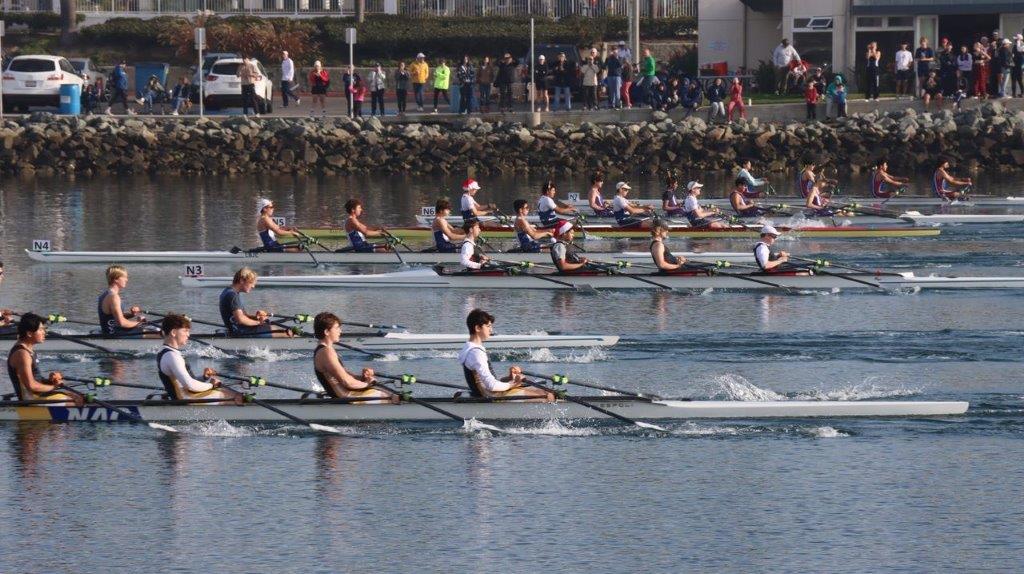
<point x="786" y="495"/>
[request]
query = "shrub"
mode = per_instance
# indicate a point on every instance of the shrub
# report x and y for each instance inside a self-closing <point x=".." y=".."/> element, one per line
<point x="36" y="21"/>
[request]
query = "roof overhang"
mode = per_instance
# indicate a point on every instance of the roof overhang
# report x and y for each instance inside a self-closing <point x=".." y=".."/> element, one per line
<point x="763" y="5"/>
<point x="938" y="7"/>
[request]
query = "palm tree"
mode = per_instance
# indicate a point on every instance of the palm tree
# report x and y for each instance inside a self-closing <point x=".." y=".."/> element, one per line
<point x="68" y="21"/>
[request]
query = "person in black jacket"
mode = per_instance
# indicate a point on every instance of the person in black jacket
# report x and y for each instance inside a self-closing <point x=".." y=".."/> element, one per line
<point x="540" y="83"/>
<point x="947" y="71"/>
<point x="613" y="79"/>
<point x="716" y="99"/>
<point x="466" y="76"/>
<point x="692" y="97"/>
<point x="505" y="78"/>
<point x="564" y="73"/>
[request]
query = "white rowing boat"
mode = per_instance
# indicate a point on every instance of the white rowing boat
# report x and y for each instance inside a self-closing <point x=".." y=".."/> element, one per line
<point x="429" y="278"/>
<point x="797" y="221"/>
<point x="576" y="200"/>
<point x="370" y="342"/>
<point x="328" y="411"/>
<point x="347" y="258"/>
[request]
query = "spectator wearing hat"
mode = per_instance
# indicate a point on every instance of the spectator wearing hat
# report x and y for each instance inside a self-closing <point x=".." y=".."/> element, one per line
<point x="484" y="83"/>
<point x="1017" y="71"/>
<point x="625" y="55"/>
<point x="419" y="71"/>
<point x="564" y="73"/>
<point x="442" y="80"/>
<point x="377" y="84"/>
<point x="505" y="78"/>
<point x="466" y="76"/>
<point x="540" y="83"/>
<point x="471" y="210"/>
<point x="613" y="79"/>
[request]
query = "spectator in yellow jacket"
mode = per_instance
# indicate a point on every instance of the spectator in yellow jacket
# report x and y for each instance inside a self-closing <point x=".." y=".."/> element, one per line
<point x="442" y="77"/>
<point x="419" y="71"/>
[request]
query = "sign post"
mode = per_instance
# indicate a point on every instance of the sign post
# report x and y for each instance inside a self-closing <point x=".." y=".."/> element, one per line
<point x="350" y="39"/>
<point x="200" y="44"/>
<point x="1" y="81"/>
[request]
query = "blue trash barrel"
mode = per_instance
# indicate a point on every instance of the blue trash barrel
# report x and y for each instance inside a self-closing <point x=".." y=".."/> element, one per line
<point x="70" y="99"/>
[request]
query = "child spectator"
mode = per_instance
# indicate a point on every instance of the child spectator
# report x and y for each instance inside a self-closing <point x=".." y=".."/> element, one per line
<point x="358" y="90"/>
<point x="811" y="99"/>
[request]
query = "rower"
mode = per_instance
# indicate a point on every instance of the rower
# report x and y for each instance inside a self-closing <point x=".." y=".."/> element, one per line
<point x="114" y="322"/>
<point x="598" y="205"/>
<point x="881" y="178"/>
<point x="768" y="261"/>
<point x="697" y="215"/>
<point x="472" y="257"/>
<point x="625" y="212"/>
<point x="941" y="180"/>
<point x="476" y="366"/>
<point x="444" y="233"/>
<point x="232" y="312"/>
<point x="470" y="208"/>
<point x="176" y="374"/>
<point x="738" y="198"/>
<point x="529" y="236"/>
<point x="817" y="205"/>
<point x="23" y="367"/>
<point x="337" y="382"/>
<point x="269" y="230"/>
<point x="752" y="182"/>
<point x="564" y="253"/>
<point x="549" y="208"/>
<point x="669" y="204"/>
<point x="358" y="231"/>
<point x="808" y="180"/>
<point x="662" y="256"/>
<point x="7" y="325"/>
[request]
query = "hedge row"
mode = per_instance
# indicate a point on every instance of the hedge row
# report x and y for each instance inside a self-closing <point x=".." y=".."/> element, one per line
<point x="36" y="21"/>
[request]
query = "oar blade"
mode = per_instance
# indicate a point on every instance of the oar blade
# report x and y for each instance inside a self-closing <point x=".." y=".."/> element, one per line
<point x="471" y="425"/>
<point x="650" y="426"/>
<point x="325" y="428"/>
<point x="162" y="427"/>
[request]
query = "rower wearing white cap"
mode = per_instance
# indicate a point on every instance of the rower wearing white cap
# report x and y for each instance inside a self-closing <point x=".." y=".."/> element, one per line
<point x="768" y="261"/>
<point x="627" y="214"/>
<point x="697" y="215"/>
<point x="529" y="236"/>
<point x="564" y="253"/>
<point x="270" y="230"/>
<point x="470" y="208"/>
<point x="471" y="256"/>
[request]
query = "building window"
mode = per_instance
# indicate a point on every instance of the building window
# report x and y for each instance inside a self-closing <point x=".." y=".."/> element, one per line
<point x="869" y="21"/>
<point x="901" y="21"/>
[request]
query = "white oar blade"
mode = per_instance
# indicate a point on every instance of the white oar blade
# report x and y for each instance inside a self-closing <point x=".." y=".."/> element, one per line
<point x="324" y="428"/>
<point x="471" y="425"/>
<point x="650" y="426"/>
<point x="159" y="426"/>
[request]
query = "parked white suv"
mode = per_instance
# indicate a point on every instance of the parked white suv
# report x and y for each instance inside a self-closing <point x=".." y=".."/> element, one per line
<point x="222" y="86"/>
<point x="36" y="80"/>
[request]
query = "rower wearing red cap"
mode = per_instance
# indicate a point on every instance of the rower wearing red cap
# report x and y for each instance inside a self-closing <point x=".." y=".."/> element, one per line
<point x="470" y="208"/>
<point x="564" y="253"/>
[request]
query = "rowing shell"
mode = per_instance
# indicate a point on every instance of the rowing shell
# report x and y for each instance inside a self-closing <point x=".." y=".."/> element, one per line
<point x="980" y="201"/>
<point x="428" y="278"/>
<point x="346" y="258"/>
<point x="914" y="217"/>
<point x="327" y="411"/>
<point x="381" y="342"/>
<point x="611" y="231"/>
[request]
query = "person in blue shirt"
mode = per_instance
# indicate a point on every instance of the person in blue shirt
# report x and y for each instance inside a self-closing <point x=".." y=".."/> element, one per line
<point x="119" y="86"/>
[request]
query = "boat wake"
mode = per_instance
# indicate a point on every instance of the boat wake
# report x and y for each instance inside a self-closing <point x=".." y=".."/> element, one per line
<point x="733" y="387"/>
<point x="545" y="355"/>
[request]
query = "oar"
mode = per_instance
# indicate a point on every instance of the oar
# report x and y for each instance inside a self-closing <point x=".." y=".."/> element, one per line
<point x="509" y="266"/>
<point x="90" y="398"/>
<point x="251" y="398"/>
<point x="613" y="269"/>
<point x="407" y="396"/>
<point x="58" y="318"/>
<point x="358" y="350"/>
<point x="84" y="343"/>
<point x="407" y="379"/>
<point x="564" y="380"/>
<point x="818" y="269"/>
<point x="190" y="318"/>
<point x="261" y="382"/>
<point x="393" y="241"/>
<point x="819" y="263"/>
<point x="601" y="410"/>
<point x="307" y="318"/>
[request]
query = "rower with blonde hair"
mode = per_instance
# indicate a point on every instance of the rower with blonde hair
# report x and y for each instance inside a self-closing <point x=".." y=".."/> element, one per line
<point x="238" y="322"/>
<point x="113" y="319"/>
<point x="175" y="372"/>
<point x="337" y="382"/>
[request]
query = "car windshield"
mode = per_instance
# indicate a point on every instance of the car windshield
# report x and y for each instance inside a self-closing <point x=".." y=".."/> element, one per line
<point x="32" y="65"/>
<point x="226" y="68"/>
<point x="79" y="65"/>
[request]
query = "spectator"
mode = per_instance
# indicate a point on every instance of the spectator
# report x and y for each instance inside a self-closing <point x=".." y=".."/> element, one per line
<point x="613" y="79"/>
<point x="506" y="76"/>
<point x="89" y="98"/>
<point x="839" y="96"/>
<point x="671" y="97"/>
<point x="319" y="81"/>
<point x="358" y="90"/>
<point x="180" y="95"/>
<point x="716" y="99"/>
<point x="736" y="100"/>
<point x="904" y="74"/>
<point x="287" y="80"/>
<point x="152" y="93"/>
<point x="401" y="87"/>
<point x="932" y="90"/>
<point x="992" y="47"/>
<point x="781" y="57"/>
<point x="981" y="59"/>
<point x="484" y="83"/>
<point x="831" y="103"/>
<point x="692" y="98"/>
<point x="419" y="71"/>
<point x="248" y="74"/>
<point x="442" y="79"/>
<point x="965" y="66"/>
<point x="648" y="68"/>
<point x="625" y="55"/>
<point x="924" y="57"/>
<point x="819" y="81"/>
<point x="119" y="85"/>
<point x="627" y="84"/>
<point x="1017" y="71"/>
<point x="1005" y="58"/>
<point x="540" y="83"/>
<point x="564" y="73"/>
<point x="947" y="69"/>
<point x="590" y="71"/>
<point x="466" y="76"/>
<point x="963" y="86"/>
<point x="874" y="58"/>
<point x="347" y="79"/>
<point x="811" y="100"/>
<point x="377" y="85"/>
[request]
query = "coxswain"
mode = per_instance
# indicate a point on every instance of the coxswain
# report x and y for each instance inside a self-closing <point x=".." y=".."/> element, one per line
<point x="470" y="208"/>
<point x="114" y="322"/>
<point x="752" y="182"/>
<point x="529" y="236"/>
<point x="743" y="206"/>
<point x="697" y="215"/>
<point x="768" y="261"/>
<point x="176" y="374"/>
<point x="23" y="366"/>
<point x="476" y="366"/>
<point x="564" y="253"/>
<point x="669" y="204"/>
<point x="7" y="325"/>
<point x="445" y="235"/>
<point x="269" y="230"/>
<point x="598" y="205"/>
<point x="627" y="214"/>
<point x="233" y="314"/>
<point x="663" y="257"/>
<point x="881" y="181"/>
<point x="472" y="257"/>
<point x="549" y="208"/>
<point x="337" y="382"/>
<point x="941" y="180"/>
<point x="358" y="231"/>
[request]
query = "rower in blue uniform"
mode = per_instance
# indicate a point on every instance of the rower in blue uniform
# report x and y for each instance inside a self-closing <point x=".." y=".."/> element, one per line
<point x="669" y="204"/>
<point x="529" y="236"/>
<point x="881" y="181"/>
<point x="114" y="321"/>
<point x="548" y="208"/>
<point x="7" y="326"/>
<point x="470" y="208"/>
<point x="598" y="204"/>
<point x="627" y="214"/>
<point x="236" y="320"/>
<point x="269" y="230"/>
<point x="740" y="204"/>
<point x="358" y="231"/>
<point x="697" y="215"/>
<point x="941" y="180"/>
<point x="444" y="234"/>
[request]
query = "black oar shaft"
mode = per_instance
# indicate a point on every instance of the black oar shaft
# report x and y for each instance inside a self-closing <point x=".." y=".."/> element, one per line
<point x="422" y="403"/>
<point x="569" y="381"/>
<point x="422" y="381"/>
